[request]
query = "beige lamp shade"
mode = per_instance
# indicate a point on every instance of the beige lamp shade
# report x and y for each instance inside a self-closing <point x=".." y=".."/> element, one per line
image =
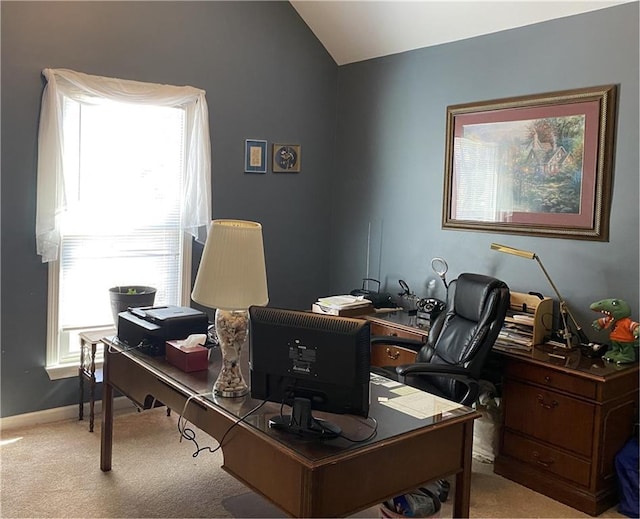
<point x="232" y="273"/>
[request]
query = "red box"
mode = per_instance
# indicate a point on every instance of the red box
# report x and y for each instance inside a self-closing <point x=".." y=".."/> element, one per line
<point x="194" y="358"/>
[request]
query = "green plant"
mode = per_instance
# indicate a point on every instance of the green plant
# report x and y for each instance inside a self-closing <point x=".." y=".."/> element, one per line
<point x="132" y="291"/>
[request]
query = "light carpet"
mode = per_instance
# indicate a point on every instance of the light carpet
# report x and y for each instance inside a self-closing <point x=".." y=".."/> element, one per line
<point x="52" y="470"/>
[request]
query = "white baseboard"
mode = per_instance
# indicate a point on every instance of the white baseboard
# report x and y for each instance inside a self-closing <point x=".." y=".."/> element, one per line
<point x="58" y="414"/>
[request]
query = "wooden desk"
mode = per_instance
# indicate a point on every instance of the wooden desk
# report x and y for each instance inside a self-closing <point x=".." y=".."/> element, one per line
<point x="565" y="415"/>
<point x="565" y="419"/>
<point x="304" y="478"/>
<point x="396" y="324"/>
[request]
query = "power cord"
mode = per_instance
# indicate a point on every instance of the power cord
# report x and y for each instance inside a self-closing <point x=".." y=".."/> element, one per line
<point x="374" y="431"/>
<point x="189" y="434"/>
<point x="142" y="344"/>
<point x="321" y="425"/>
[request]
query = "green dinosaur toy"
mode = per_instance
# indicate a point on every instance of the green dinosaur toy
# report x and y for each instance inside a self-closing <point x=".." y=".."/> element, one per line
<point x="623" y="333"/>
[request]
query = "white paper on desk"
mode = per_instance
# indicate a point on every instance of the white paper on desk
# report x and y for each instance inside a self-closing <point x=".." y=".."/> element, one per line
<point x="404" y="390"/>
<point x="343" y="302"/>
<point x="421" y="405"/>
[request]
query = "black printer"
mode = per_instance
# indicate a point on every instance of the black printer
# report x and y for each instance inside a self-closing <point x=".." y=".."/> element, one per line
<point x="149" y="328"/>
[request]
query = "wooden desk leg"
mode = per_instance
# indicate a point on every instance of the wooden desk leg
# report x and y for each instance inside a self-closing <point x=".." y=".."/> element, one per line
<point x="81" y="401"/>
<point x="106" y="432"/>
<point x="463" y="479"/>
<point x="92" y="401"/>
<point x="81" y="381"/>
<point x="92" y="386"/>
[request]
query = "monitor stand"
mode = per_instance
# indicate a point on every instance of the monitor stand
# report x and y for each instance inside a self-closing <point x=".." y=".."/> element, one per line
<point x="302" y="422"/>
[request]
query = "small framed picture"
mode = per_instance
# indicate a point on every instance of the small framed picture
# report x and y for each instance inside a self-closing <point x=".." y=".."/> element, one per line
<point x="255" y="156"/>
<point x="286" y="158"/>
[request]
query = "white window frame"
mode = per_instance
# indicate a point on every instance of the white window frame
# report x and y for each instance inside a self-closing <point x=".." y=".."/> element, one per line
<point x="51" y="203"/>
<point x="61" y="363"/>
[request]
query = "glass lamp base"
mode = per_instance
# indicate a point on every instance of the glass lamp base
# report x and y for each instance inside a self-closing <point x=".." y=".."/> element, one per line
<point x="230" y="383"/>
<point x="231" y="329"/>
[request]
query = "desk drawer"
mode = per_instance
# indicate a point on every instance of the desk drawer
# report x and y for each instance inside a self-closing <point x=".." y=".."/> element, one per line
<point x="378" y="329"/>
<point x="389" y="355"/>
<point x="546" y="458"/>
<point x="386" y="355"/>
<point x="553" y="379"/>
<point x="549" y="416"/>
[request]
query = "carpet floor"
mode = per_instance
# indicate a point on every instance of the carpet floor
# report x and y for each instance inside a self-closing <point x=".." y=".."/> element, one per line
<point x="52" y="470"/>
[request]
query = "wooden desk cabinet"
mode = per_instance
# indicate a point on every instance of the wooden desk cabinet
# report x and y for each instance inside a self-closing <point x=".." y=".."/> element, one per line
<point x="396" y="324"/>
<point x="565" y="416"/>
<point x="564" y="422"/>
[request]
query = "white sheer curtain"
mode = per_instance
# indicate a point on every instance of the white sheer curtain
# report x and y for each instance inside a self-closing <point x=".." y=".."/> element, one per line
<point x="85" y="88"/>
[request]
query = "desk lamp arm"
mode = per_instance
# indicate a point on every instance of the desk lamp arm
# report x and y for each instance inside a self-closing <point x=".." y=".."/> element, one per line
<point x="564" y="309"/>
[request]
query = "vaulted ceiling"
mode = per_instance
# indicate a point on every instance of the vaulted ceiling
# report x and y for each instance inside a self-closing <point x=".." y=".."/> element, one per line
<point x="356" y="30"/>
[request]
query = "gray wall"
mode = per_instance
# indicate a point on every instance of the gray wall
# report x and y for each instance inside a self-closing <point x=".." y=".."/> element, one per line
<point x="390" y="159"/>
<point x="266" y="77"/>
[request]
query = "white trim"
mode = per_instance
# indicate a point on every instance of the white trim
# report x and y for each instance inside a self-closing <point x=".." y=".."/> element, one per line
<point x="58" y="414"/>
<point x="60" y="371"/>
<point x="185" y="283"/>
<point x="53" y="350"/>
<point x="55" y="366"/>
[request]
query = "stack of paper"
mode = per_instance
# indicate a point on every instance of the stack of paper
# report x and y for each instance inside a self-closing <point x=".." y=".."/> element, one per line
<point x="345" y="305"/>
<point x="516" y="334"/>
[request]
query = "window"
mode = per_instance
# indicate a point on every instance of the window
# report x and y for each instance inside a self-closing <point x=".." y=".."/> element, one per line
<point x="123" y="173"/>
<point x="128" y="196"/>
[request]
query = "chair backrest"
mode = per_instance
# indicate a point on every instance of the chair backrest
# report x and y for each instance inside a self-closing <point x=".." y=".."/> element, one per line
<point x="464" y="333"/>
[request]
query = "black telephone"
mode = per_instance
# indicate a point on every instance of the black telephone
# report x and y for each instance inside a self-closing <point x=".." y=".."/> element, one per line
<point x="429" y="308"/>
<point x="377" y="298"/>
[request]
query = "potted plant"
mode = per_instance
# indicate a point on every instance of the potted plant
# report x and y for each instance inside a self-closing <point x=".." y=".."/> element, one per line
<point x="130" y="296"/>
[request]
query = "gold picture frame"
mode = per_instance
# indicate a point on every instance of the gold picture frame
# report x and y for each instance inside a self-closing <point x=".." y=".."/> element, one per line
<point x="538" y="165"/>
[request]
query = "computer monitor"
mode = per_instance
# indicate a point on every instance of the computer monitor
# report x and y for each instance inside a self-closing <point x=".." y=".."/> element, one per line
<point x="310" y="362"/>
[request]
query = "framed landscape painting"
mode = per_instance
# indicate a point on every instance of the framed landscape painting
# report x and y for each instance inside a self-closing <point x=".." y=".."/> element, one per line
<point x="538" y="164"/>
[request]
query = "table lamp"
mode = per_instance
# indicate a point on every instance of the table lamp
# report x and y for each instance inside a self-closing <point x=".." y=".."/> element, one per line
<point x="231" y="278"/>
<point x="564" y="309"/>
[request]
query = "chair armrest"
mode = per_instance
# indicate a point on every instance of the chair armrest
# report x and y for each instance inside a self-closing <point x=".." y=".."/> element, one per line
<point x="427" y="368"/>
<point x="458" y="373"/>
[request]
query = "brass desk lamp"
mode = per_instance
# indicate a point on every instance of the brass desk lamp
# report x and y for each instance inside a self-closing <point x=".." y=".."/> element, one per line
<point x="564" y="308"/>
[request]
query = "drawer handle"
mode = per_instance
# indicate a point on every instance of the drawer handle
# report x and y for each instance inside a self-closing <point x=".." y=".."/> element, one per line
<point x="544" y="463"/>
<point x="545" y="405"/>
<point x="393" y="355"/>
<point x="547" y="379"/>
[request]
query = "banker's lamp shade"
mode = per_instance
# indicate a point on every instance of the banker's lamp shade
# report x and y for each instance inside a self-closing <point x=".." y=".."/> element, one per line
<point x="232" y="273"/>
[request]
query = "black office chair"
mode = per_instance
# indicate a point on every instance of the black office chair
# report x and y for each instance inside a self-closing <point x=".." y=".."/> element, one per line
<point x="460" y="339"/>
